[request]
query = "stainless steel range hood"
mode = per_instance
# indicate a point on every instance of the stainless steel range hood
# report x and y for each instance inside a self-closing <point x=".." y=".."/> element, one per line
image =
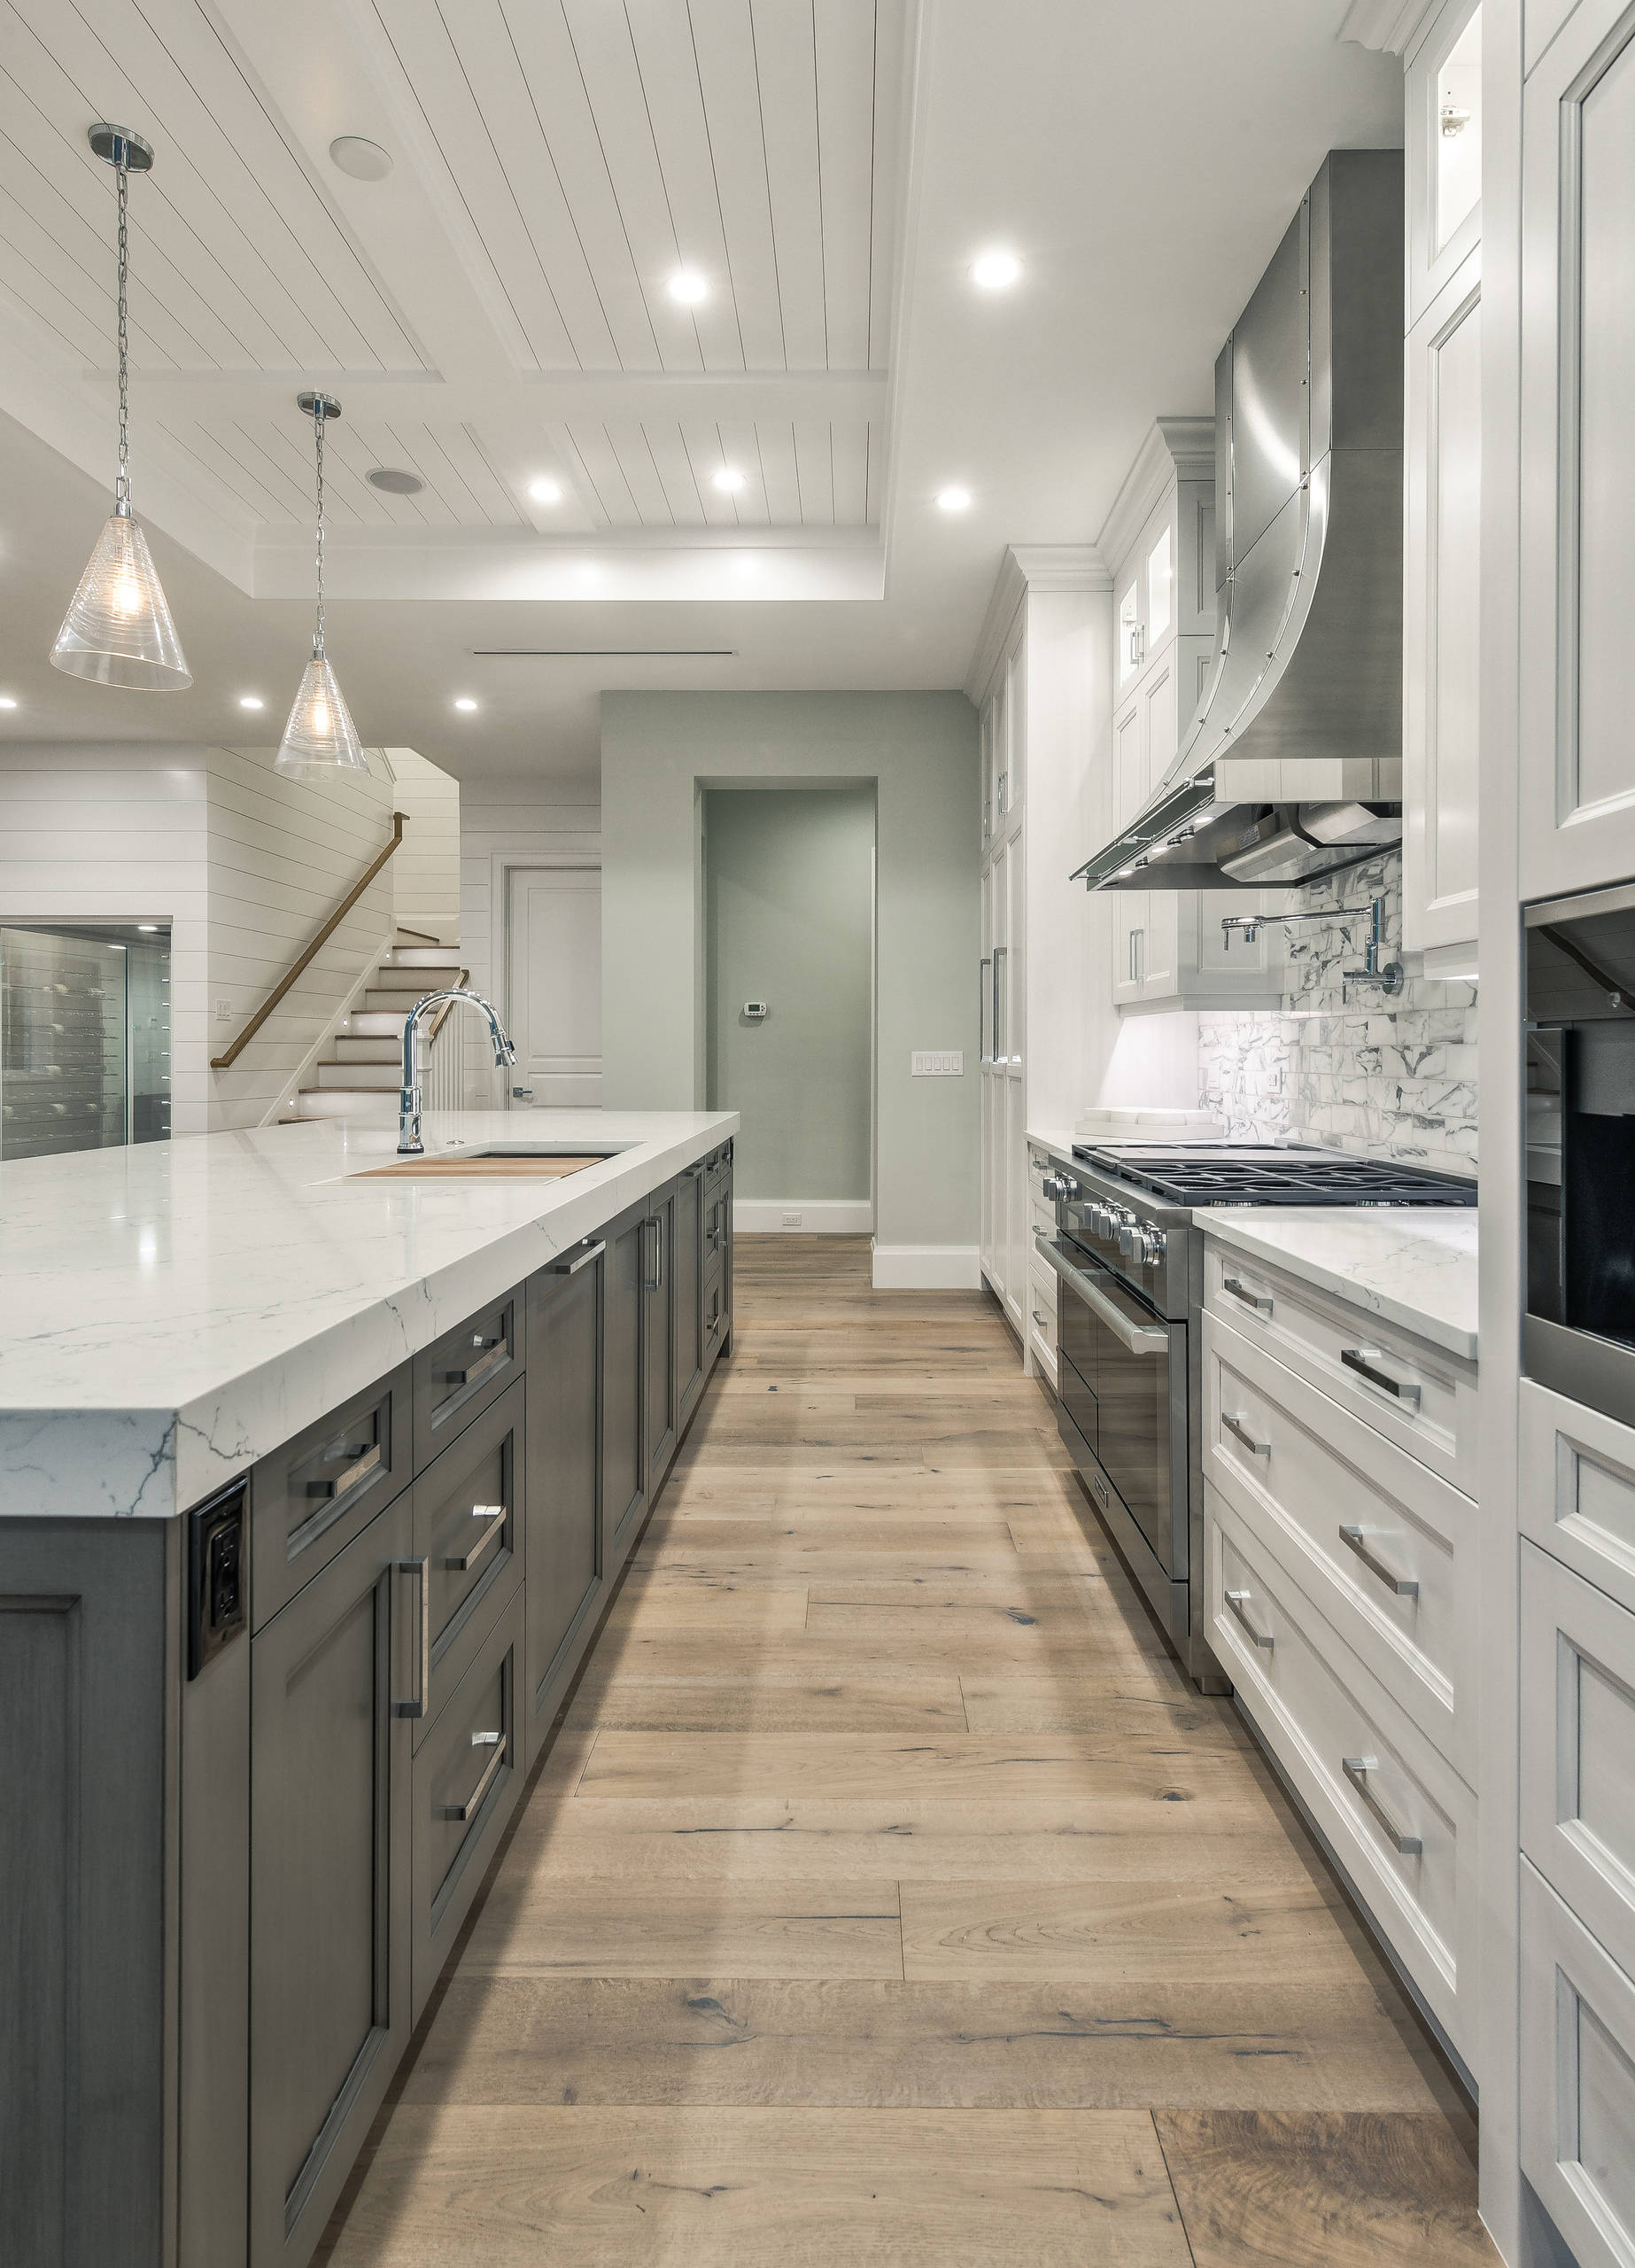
<point x="1291" y="767"/>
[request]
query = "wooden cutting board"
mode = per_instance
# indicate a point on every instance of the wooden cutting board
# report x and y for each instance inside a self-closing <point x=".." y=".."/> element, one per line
<point x="458" y="1169"/>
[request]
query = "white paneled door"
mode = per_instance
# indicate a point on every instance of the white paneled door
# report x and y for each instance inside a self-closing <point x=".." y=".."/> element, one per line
<point x="554" y="985"/>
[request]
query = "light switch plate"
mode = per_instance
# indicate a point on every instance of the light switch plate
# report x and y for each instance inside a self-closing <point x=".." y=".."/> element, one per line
<point x="937" y="1063"/>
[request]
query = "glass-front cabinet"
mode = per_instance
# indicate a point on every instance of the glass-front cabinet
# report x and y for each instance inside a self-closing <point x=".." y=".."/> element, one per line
<point x="84" y="1037"/>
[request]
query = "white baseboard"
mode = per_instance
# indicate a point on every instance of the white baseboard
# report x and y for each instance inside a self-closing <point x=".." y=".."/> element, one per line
<point x="927" y="1267"/>
<point x="820" y="1216"/>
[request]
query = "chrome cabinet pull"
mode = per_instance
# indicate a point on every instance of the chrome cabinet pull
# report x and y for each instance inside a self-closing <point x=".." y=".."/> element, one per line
<point x="490" y="1354"/>
<point x="1404" y="1586"/>
<point x="366" y="1461"/>
<point x="496" y="1515"/>
<point x="654" y="1281"/>
<point x="1002" y="1039"/>
<point x="1240" y="1431"/>
<point x="1238" y="1600"/>
<point x="417" y="1706"/>
<point x="474" y="1801"/>
<point x="580" y="1259"/>
<point x="1357" y="1771"/>
<point x="983" y="965"/>
<point x="1363" y="1359"/>
<point x="1241" y="1290"/>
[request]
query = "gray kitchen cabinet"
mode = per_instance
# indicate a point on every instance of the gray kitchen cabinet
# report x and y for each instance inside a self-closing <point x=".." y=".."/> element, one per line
<point x="468" y="1774"/>
<point x="660" y="1417"/>
<point x="324" y="1486"/>
<point x="335" y="1678"/>
<point x="624" y="1468"/>
<point x="461" y="1373"/>
<point x="563" y="1543"/>
<point x="689" y="1287"/>
<point x="470" y="1518"/>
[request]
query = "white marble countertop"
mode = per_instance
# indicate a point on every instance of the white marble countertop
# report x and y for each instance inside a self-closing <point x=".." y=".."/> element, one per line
<point x="1414" y="1265"/>
<point x="175" y="1309"/>
<point x="1053" y="1138"/>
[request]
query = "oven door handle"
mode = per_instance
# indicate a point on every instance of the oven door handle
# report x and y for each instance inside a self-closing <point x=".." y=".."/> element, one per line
<point x="1140" y="1338"/>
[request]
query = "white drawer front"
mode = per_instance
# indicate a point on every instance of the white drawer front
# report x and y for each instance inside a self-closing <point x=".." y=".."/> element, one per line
<point x="1578" y="1746"/>
<point x="1432" y="1412"/>
<point x="1577" y="1475"/>
<point x="1380" y="1543"/>
<point x="1577" y="2079"/>
<point x="1318" y="1709"/>
<point x="1042" y="1316"/>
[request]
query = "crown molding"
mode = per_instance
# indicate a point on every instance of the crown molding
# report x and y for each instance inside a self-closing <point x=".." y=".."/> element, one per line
<point x="1176" y="448"/>
<point x="1028" y="567"/>
<point x="1389" y="27"/>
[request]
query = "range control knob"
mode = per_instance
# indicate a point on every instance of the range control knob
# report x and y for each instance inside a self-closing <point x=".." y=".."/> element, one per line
<point x="1129" y="1232"/>
<point x="1153" y="1245"/>
<point x="1054" y="1187"/>
<point x="1069" y="1185"/>
<point x="1101" y="1220"/>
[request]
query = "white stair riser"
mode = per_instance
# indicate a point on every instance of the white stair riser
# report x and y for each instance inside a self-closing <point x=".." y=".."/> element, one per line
<point x="359" y="1075"/>
<point x="318" y="1102"/>
<point x="420" y="957"/>
<point x="355" y="1048"/>
<point x="374" y="1023"/>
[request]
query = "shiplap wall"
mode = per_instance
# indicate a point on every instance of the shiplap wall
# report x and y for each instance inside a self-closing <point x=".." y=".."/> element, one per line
<point x="282" y="854"/>
<point x="111" y="832"/>
<point x="519" y="821"/>
<point x="426" y="870"/>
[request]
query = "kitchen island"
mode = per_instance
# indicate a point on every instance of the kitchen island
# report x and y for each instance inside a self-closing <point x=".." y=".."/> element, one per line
<point x="314" y="1483"/>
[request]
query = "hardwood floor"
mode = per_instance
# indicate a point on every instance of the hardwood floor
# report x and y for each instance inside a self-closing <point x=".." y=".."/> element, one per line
<point x="888" y="1895"/>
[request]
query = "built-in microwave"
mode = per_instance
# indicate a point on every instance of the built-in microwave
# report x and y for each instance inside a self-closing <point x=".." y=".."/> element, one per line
<point x="1580" y="1104"/>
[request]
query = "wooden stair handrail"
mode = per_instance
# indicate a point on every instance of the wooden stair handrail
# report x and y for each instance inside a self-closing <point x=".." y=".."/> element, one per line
<point x="441" y="1017"/>
<point x="399" y="819"/>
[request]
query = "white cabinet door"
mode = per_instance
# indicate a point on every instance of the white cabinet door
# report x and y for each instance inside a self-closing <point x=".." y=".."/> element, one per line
<point x="1578" y="658"/>
<point x="1441" y="608"/>
<point x="1160" y="972"/>
<point x="992" y="1148"/>
<point x="1443" y="129"/>
<point x="1129" y="792"/>
<point x="1577" y="2065"/>
<point x="988" y="773"/>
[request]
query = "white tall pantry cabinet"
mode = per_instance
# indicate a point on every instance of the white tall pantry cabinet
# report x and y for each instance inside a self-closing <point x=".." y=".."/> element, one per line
<point x="1040" y="681"/>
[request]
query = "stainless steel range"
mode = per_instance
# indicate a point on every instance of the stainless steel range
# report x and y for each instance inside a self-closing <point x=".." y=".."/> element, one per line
<point x="1128" y="1254"/>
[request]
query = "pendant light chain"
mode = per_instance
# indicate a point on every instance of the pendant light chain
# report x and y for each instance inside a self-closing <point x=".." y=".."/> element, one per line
<point x="318" y="417"/>
<point x="122" y="489"/>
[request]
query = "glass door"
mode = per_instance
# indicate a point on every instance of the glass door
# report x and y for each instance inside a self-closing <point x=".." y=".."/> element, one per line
<point x="84" y="1038"/>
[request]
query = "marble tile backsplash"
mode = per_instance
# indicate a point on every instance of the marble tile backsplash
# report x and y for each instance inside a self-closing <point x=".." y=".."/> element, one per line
<point x="1382" y="1077"/>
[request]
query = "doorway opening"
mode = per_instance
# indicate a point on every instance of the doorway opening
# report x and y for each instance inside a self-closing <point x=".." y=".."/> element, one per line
<point x="84" y="1035"/>
<point x="553" y="1003"/>
<point x="788" y="943"/>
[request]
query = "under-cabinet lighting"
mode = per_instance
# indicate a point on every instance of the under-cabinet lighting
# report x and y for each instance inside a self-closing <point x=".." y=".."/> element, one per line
<point x="148" y="929"/>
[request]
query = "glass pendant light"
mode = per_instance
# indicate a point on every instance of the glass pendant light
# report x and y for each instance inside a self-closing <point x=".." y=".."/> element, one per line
<point x="319" y="740"/>
<point x="118" y="629"/>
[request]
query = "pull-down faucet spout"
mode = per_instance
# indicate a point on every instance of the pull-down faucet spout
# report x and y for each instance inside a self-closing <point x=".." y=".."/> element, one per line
<point x="409" y="1143"/>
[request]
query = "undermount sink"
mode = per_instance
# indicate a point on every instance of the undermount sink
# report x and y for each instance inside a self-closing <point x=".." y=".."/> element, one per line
<point x="499" y="1161"/>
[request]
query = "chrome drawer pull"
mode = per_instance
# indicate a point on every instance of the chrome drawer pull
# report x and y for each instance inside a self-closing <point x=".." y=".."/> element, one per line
<point x="1041" y="1320"/>
<point x="1240" y="1431"/>
<point x="1363" y="1359"/>
<point x="1241" y="1290"/>
<point x="367" y="1460"/>
<point x="496" y="1515"/>
<point x="495" y="1351"/>
<point x="1405" y="1586"/>
<point x="580" y="1259"/>
<point x="417" y="1706"/>
<point x="1357" y="1771"/>
<point x="474" y="1801"/>
<point x="1238" y="1600"/>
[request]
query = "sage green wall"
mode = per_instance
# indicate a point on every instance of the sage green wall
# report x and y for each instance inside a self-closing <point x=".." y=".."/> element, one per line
<point x="659" y="753"/>
<point x="790" y="894"/>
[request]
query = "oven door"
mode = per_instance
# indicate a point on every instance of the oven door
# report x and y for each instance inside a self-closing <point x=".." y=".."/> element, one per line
<point x="1115" y="1357"/>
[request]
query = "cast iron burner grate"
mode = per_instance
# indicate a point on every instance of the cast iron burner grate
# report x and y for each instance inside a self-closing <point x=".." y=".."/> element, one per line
<point x="1200" y="1175"/>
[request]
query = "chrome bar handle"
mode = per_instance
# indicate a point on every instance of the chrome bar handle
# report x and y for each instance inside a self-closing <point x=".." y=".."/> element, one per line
<point x="417" y="1706"/>
<point x="367" y="1460"/>
<point x="1356" y="1770"/>
<point x="983" y="965"/>
<point x="1238" y="1600"/>
<point x="1240" y="1431"/>
<point x="1404" y="1586"/>
<point x="1002" y="1039"/>
<point x="1135" y="1338"/>
<point x="473" y="1802"/>
<point x="580" y="1259"/>
<point x="1241" y="1290"/>
<point x="1363" y="1359"/>
<point x="496" y="1515"/>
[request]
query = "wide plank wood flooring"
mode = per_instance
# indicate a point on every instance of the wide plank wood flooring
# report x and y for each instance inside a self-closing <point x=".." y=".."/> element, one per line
<point x="888" y="1895"/>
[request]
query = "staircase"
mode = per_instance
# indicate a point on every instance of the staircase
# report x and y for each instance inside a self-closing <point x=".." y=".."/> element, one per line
<point x="360" y="1071"/>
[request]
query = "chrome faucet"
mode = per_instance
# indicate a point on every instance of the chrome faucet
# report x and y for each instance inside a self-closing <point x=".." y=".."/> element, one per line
<point x="1387" y="974"/>
<point x="409" y="1143"/>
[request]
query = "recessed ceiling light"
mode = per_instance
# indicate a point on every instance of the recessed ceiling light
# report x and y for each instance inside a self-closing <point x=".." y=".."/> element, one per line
<point x="994" y="271"/>
<point x="395" y="481"/>
<point x="464" y="701"/>
<point x="729" y="480"/>
<point x="7" y="701"/>
<point x="687" y="286"/>
<point x="148" y="929"/>
<point x="545" y="492"/>
<point x="363" y="160"/>
<point x="954" y="500"/>
<point x="251" y="701"/>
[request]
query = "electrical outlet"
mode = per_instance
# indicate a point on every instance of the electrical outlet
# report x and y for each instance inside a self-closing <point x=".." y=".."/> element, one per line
<point x="792" y="1220"/>
<point x="937" y="1063"/>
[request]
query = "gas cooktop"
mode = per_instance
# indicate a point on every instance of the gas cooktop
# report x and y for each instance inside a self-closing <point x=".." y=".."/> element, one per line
<point x="1224" y="1173"/>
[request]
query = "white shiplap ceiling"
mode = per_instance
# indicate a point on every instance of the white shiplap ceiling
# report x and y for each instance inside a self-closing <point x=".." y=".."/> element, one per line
<point x="555" y="163"/>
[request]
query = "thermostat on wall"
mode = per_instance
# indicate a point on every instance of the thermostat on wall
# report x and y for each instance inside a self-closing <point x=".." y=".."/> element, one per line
<point x="755" y="1011"/>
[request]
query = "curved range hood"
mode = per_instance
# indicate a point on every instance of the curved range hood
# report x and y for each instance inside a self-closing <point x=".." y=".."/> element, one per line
<point x="1291" y="767"/>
